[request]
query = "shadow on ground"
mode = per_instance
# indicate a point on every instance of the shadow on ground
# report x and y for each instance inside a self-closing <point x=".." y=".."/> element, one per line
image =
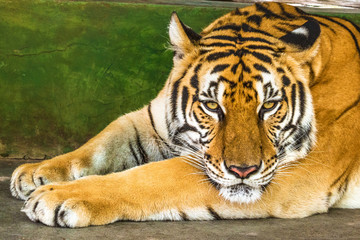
<point x="337" y="224"/>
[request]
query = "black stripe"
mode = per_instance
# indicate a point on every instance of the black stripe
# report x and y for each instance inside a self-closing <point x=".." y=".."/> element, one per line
<point x="244" y="67"/>
<point x="282" y="29"/>
<point x="223" y="79"/>
<point x="234" y="68"/>
<point x="321" y="23"/>
<point x="213" y="213"/>
<point x="204" y="51"/>
<point x="289" y="127"/>
<point x="262" y="57"/>
<point x="197" y="68"/>
<point x="255" y="19"/>
<point x="311" y="74"/>
<point x="302" y="100"/>
<point x="143" y="154"/>
<point x="163" y="155"/>
<point x="285" y="81"/>
<point x="151" y="118"/>
<point x="184" y="128"/>
<point x="340" y="177"/>
<point x="203" y="110"/>
<point x="329" y="195"/>
<point x="205" y="94"/>
<point x="194" y="81"/>
<point x="301" y="135"/>
<point x="268" y="13"/>
<point x="223" y="37"/>
<point x="348" y="108"/>
<point x="207" y="133"/>
<point x="284" y="117"/>
<point x="219" y="68"/>
<point x="218" y="44"/>
<point x="354" y="25"/>
<point x="35" y="207"/>
<point x="254" y="39"/>
<point x="271" y="133"/>
<point x="248" y="84"/>
<point x="196" y="118"/>
<point x="191" y="145"/>
<point x="174" y="96"/>
<point x="258" y="78"/>
<point x="293" y="101"/>
<point x="343" y="187"/>
<point x="234" y="27"/>
<point x="184" y="101"/>
<point x="247" y="28"/>
<point x="184" y="216"/>
<point x="280" y="70"/>
<point x="261" y="68"/>
<point x="293" y="26"/>
<point x="301" y="12"/>
<point x="56" y="216"/>
<point x="218" y="55"/>
<point x="260" y="47"/>
<point x="285" y="13"/>
<point x="134" y="155"/>
<point x="239" y="13"/>
<point x="215" y="85"/>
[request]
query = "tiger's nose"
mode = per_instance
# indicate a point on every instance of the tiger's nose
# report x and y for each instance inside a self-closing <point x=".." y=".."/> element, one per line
<point x="243" y="171"/>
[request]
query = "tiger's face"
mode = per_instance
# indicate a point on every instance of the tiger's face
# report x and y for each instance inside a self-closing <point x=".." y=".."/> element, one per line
<point x="244" y="103"/>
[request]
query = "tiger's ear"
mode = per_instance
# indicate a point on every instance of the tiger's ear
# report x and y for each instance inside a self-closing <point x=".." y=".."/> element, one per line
<point x="304" y="40"/>
<point x="182" y="38"/>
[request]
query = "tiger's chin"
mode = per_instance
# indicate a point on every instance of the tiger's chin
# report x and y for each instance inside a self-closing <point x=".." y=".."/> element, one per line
<point x="241" y="193"/>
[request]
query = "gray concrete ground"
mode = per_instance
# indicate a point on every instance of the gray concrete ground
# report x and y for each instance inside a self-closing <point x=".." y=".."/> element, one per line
<point x="337" y="224"/>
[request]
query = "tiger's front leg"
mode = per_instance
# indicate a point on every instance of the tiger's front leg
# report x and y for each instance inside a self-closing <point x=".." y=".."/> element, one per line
<point x="127" y="142"/>
<point x="166" y="190"/>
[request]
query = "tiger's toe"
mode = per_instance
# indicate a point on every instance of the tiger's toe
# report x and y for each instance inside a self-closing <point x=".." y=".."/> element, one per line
<point x="54" y="206"/>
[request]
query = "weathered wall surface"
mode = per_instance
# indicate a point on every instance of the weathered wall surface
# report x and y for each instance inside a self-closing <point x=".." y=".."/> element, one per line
<point x="67" y="69"/>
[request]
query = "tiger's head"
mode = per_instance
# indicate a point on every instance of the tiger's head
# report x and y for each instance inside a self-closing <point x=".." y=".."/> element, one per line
<point x="239" y="94"/>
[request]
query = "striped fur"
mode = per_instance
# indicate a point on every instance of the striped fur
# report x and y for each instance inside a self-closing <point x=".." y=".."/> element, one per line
<point x="254" y="119"/>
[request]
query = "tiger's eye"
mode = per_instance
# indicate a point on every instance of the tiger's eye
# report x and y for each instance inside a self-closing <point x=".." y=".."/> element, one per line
<point x="212" y="105"/>
<point x="268" y="105"/>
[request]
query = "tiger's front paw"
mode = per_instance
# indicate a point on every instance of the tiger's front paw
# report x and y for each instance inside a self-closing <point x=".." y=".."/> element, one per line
<point x="27" y="177"/>
<point x="56" y="205"/>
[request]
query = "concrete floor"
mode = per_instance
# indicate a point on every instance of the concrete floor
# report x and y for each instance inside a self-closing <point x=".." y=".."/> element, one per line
<point x="337" y="224"/>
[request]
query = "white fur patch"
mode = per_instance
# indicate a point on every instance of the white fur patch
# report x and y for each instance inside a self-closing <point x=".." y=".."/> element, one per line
<point x="175" y="33"/>
<point x="301" y="31"/>
<point x="199" y="213"/>
<point x="171" y="214"/>
<point x="260" y="91"/>
<point x="268" y="78"/>
<point x="70" y="219"/>
<point x="351" y="198"/>
<point x="241" y="194"/>
<point x="99" y="159"/>
<point x="158" y="114"/>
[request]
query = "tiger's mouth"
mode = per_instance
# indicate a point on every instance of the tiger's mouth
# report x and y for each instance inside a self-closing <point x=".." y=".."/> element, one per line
<point x="241" y="193"/>
<point x="238" y="190"/>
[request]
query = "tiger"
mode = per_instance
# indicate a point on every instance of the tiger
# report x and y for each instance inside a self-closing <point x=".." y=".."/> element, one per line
<point x="259" y="117"/>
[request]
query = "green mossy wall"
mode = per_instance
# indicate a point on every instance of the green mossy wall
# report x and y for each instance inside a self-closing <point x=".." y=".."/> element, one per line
<point x="67" y="69"/>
